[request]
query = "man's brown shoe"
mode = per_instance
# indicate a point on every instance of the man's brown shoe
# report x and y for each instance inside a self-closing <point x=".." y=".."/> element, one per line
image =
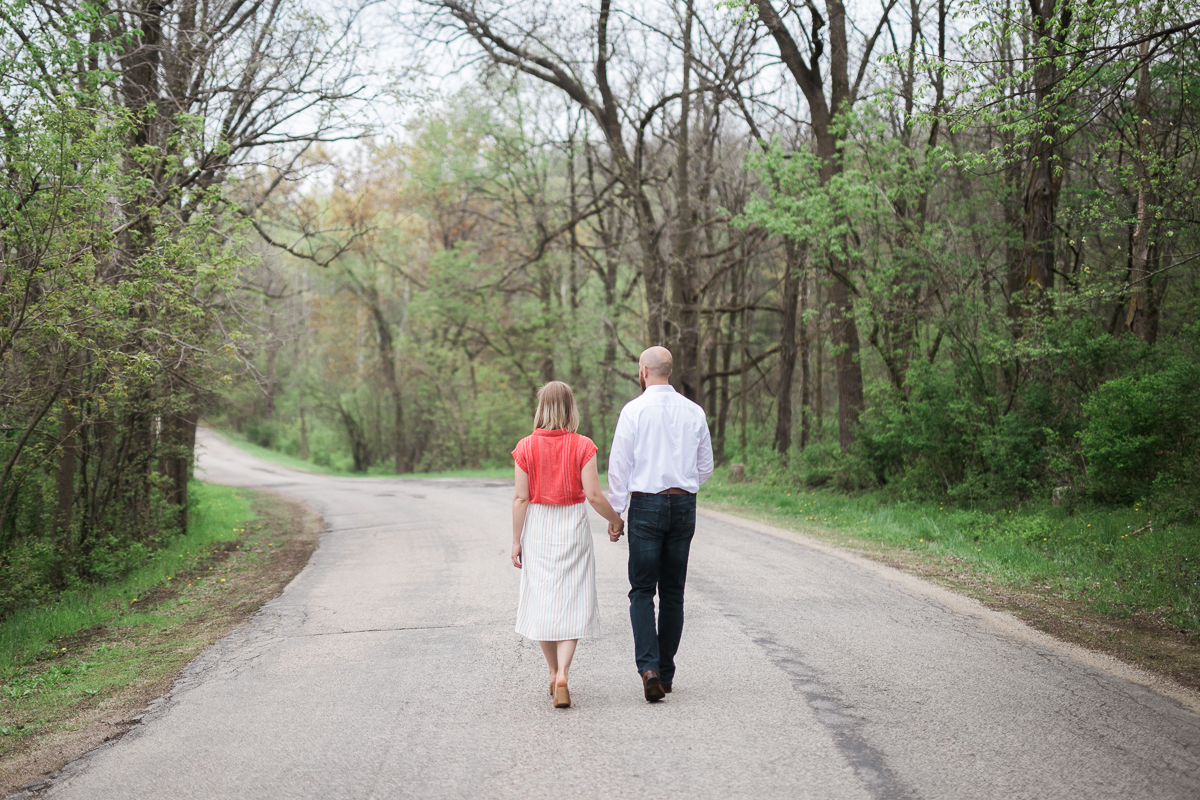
<point x="666" y="687"/>
<point x="651" y="686"/>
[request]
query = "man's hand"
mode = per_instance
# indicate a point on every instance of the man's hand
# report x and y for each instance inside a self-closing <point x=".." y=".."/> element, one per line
<point x="615" y="529"/>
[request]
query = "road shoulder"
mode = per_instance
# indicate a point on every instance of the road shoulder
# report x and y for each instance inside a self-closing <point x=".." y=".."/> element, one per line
<point x="1128" y="649"/>
<point x="237" y="582"/>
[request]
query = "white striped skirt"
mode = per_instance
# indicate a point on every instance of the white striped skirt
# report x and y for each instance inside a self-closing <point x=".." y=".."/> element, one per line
<point x="558" y="575"/>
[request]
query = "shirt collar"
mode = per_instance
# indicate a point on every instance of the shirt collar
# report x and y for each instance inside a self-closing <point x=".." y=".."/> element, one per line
<point x="556" y="432"/>
<point x="660" y="387"/>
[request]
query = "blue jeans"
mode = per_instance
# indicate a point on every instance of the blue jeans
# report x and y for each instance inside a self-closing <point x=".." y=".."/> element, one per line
<point x="660" y="537"/>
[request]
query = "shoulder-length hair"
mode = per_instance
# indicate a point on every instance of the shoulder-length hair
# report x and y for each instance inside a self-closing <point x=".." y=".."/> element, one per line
<point x="556" y="408"/>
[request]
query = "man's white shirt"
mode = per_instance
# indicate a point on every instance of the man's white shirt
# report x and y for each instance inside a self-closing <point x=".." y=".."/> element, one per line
<point x="661" y="442"/>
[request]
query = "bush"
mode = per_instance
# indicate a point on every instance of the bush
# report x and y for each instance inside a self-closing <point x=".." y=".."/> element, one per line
<point x="952" y="438"/>
<point x="25" y="575"/>
<point x="261" y="432"/>
<point x="1143" y="431"/>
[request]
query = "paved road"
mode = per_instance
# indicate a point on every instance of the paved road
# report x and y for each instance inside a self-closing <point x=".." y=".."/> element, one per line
<point x="389" y="668"/>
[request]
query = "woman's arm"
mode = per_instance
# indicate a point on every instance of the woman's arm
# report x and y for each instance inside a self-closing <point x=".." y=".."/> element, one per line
<point x="520" y="505"/>
<point x="591" y="490"/>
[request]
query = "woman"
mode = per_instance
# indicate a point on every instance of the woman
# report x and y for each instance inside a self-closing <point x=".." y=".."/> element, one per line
<point x="552" y="539"/>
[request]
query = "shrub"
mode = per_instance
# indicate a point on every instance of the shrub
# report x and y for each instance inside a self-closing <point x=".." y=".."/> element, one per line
<point x="1142" y="431"/>
<point x="952" y="438"/>
<point x="25" y="575"/>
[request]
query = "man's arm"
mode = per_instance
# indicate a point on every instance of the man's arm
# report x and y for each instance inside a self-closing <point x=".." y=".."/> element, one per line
<point x="620" y="463"/>
<point x="704" y="453"/>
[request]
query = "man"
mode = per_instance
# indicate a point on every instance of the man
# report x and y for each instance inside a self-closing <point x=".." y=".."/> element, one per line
<point x="661" y="453"/>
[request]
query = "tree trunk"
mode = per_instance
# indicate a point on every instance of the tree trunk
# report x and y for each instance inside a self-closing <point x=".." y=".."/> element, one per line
<point x="1045" y="178"/>
<point x="303" y="433"/>
<point x="844" y="335"/>
<point x="64" y="486"/>
<point x="819" y="371"/>
<point x="824" y="116"/>
<point x="387" y="362"/>
<point x="1137" y="319"/>
<point x="177" y="442"/>
<point x="269" y="399"/>
<point x="805" y="369"/>
<point x="359" y="450"/>
<point x="792" y="280"/>
<point x="684" y="307"/>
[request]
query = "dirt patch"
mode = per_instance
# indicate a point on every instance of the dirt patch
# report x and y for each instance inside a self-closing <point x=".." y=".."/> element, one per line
<point x="147" y="658"/>
<point x="1140" y="641"/>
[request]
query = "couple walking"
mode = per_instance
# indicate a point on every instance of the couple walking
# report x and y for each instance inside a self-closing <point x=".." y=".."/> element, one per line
<point x="661" y="453"/>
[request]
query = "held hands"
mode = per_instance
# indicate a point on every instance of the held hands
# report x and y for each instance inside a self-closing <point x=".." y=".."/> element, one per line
<point x="615" y="529"/>
<point x="516" y="555"/>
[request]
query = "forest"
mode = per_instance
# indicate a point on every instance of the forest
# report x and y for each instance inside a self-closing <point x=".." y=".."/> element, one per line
<point x="933" y="250"/>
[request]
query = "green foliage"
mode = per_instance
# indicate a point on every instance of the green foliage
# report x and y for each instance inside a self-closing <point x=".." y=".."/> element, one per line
<point x="32" y="623"/>
<point x="25" y="571"/>
<point x="1142" y="435"/>
<point x="112" y="274"/>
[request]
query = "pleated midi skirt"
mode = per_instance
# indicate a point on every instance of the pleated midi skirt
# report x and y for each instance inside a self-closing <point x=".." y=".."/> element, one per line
<point x="558" y="575"/>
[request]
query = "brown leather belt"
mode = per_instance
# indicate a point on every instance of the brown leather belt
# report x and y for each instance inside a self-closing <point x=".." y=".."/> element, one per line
<point x="672" y="490"/>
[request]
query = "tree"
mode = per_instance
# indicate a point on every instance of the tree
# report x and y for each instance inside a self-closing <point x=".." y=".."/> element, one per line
<point x="829" y="115"/>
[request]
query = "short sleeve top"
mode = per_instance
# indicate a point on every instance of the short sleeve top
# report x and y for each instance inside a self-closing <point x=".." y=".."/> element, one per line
<point x="554" y="461"/>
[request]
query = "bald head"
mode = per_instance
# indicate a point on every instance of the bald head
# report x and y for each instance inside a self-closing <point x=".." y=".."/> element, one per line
<point x="655" y="365"/>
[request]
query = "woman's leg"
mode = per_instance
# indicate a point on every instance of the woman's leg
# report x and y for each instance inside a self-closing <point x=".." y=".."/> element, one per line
<point x="550" y="651"/>
<point x="566" y="652"/>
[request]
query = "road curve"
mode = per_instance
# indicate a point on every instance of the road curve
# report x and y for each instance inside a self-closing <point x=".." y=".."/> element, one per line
<point x="389" y="668"/>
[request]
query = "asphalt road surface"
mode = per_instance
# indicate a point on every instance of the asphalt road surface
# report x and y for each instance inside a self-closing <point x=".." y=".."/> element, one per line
<point x="389" y="669"/>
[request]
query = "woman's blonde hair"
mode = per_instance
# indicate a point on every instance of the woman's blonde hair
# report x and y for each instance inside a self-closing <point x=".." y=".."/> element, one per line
<point x="556" y="408"/>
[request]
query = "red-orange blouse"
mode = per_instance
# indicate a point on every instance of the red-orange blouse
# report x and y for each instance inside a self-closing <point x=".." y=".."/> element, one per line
<point x="554" y="461"/>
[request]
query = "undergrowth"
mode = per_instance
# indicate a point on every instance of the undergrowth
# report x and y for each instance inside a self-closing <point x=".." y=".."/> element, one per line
<point x="219" y="515"/>
<point x="1117" y="559"/>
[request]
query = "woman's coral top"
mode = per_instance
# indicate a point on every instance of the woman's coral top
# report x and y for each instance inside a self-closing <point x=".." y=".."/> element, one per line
<point x="554" y="461"/>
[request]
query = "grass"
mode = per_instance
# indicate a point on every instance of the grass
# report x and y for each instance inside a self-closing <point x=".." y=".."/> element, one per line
<point x="219" y="516"/>
<point x="1116" y="561"/>
<point x="381" y="470"/>
<point x="75" y="672"/>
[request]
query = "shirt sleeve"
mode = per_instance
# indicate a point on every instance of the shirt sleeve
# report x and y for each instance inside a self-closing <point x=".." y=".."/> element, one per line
<point x="520" y="454"/>
<point x="704" y="453"/>
<point x="586" y="448"/>
<point x="620" y="463"/>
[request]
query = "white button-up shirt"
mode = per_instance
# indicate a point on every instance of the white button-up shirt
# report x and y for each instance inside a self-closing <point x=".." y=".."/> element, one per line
<point x="661" y="442"/>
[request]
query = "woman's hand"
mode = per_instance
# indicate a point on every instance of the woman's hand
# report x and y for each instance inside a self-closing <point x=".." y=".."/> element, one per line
<point x="520" y="506"/>
<point x="615" y="529"/>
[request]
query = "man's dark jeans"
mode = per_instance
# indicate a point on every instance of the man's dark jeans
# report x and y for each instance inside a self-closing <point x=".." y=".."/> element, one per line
<point x="660" y="537"/>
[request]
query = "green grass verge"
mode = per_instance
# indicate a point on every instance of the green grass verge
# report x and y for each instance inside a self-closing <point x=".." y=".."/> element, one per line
<point x="383" y="470"/>
<point x="75" y="672"/>
<point x="219" y="515"/>
<point x="1117" y="560"/>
